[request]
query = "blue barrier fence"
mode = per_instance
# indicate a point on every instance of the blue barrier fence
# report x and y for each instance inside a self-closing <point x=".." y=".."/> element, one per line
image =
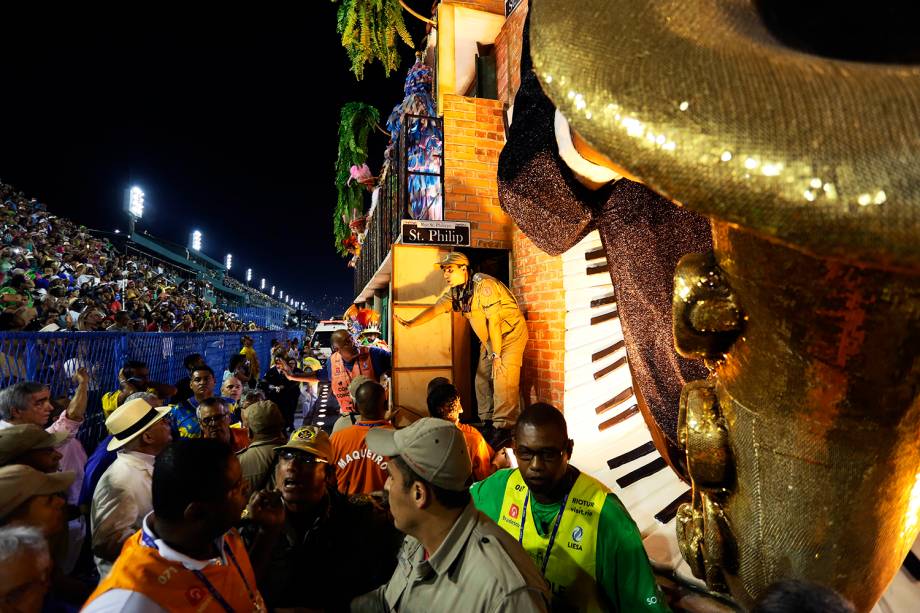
<point x="52" y="358"/>
<point x="267" y="318"/>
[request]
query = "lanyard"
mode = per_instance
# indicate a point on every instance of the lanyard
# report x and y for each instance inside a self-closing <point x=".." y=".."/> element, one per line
<point x="552" y="536"/>
<point x="210" y="586"/>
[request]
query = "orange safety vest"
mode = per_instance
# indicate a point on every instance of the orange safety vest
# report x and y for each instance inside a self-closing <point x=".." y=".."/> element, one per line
<point x="341" y="376"/>
<point x="141" y="568"/>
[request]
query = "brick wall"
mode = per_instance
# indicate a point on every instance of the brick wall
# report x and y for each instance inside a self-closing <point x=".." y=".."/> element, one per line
<point x="489" y="6"/>
<point x="537" y="284"/>
<point x="474" y="135"/>
<point x="537" y="277"/>
<point x="508" y="54"/>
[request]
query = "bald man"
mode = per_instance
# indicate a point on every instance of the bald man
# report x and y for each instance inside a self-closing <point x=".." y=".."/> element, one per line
<point x="347" y="362"/>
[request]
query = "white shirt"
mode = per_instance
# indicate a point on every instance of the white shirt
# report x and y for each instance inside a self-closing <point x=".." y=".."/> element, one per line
<point x="122" y="499"/>
<point x="128" y="601"/>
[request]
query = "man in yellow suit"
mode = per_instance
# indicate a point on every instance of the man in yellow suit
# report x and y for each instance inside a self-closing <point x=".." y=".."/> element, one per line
<point x="497" y="320"/>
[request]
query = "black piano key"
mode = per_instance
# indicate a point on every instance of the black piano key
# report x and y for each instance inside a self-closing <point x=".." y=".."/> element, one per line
<point x="618" y="418"/>
<point x="596" y="270"/>
<point x="605" y="352"/>
<point x="595" y="253"/>
<point x="642" y="472"/>
<point x="609" y="369"/>
<point x="667" y="514"/>
<point x="912" y="564"/>
<point x="629" y="456"/>
<point x="619" y="398"/>
<point x="598" y="319"/>
<point x="602" y="301"/>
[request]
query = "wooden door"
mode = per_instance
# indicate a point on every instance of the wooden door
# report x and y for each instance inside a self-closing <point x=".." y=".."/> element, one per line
<point x="422" y="352"/>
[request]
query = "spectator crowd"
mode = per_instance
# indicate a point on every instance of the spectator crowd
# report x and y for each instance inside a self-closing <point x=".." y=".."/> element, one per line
<point x="222" y="491"/>
<point x="56" y="276"/>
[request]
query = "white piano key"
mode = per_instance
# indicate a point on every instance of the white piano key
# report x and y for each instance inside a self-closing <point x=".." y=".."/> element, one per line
<point x="593" y="448"/>
<point x="584" y="280"/>
<point x="649" y="495"/>
<point x="578" y="337"/>
<point x="603" y="389"/>
<point x="581" y="297"/>
<point x="589" y="243"/>
<point x="581" y="357"/>
<point x="580" y="266"/>
<point x="581" y="318"/>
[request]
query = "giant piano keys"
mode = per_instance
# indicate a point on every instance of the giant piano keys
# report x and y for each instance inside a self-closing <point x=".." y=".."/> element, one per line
<point x="612" y="442"/>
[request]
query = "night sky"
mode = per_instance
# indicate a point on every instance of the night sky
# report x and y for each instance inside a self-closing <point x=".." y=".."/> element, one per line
<point x="226" y="118"/>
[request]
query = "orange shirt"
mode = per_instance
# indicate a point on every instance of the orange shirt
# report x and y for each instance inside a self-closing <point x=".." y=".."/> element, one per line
<point x="141" y="568"/>
<point x="239" y="439"/>
<point x="480" y="452"/>
<point x="358" y="470"/>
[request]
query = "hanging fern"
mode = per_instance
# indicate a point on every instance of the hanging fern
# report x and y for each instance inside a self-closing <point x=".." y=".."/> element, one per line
<point x="369" y="29"/>
<point x="356" y="122"/>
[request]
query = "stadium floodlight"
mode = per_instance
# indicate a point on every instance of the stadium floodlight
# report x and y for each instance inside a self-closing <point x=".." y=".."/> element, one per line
<point x="273" y="290"/>
<point x="262" y="285"/>
<point x="248" y="275"/>
<point x="196" y="240"/>
<point x="229" y="260"/>
<point x="136" y="202"/>
<point x="281" y="293"/>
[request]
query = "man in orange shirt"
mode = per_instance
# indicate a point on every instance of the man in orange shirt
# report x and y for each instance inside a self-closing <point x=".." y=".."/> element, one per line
<point x="444" y="403"/>
<point x="358" y="470"/>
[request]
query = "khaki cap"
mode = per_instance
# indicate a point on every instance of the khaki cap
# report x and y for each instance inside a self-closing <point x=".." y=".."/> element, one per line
<point x="433" y="448"/>
<point x="357" y="382"/>
<point x="16" y="440"/>
<point x="311" y="439"/>
<point x="454" y="257"/>
<point x="264" y="416"/>
<point x="130" y="420"/>
<point x="18" y="483"/>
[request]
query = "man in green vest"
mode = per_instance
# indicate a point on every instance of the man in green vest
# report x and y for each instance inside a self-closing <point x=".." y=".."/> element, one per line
<point x="575" y="530"/>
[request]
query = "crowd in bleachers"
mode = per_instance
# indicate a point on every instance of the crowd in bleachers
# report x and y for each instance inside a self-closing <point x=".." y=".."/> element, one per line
<point x="56" y="275"/>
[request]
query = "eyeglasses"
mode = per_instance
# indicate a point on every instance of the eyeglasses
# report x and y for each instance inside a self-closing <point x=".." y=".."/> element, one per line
<point x="214" y="419"/>
<point x="548" y="455"/>
<point x="304" y="458"/>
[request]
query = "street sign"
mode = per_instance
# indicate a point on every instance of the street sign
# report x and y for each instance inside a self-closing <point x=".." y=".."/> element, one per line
<point x="447" y="233"/>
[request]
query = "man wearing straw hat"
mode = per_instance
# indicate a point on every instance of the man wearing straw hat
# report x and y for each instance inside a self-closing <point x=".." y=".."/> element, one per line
<point x="123" y="496"/>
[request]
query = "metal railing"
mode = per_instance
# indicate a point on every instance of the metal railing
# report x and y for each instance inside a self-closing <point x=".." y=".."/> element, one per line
<point x="267" y="318"/>
<point x="394" y="200"/>
<point x="52" y="358"/>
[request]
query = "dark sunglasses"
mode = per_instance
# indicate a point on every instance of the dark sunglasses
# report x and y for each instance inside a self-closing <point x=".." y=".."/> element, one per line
<point x="304" y="458"/>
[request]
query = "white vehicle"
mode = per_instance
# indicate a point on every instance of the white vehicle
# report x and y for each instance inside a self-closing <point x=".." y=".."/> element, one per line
<point x="321" y="341"/>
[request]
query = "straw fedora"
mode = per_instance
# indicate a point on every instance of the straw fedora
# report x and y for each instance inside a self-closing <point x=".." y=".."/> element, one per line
<point x="130" y="420"/>
<point x="711" y="108"/>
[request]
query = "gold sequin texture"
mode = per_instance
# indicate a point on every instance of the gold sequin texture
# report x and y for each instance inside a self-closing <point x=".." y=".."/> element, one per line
<point x="822" y="154"/>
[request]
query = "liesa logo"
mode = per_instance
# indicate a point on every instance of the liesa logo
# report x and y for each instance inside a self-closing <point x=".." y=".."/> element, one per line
<point x="514" y="511"/>
<point x="577" y="534"/>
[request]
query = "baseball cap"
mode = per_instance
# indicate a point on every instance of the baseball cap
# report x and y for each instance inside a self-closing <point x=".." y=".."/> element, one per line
<point x="313" y="364"/>
<point x="264" y="416"/>
<point x="433" y="448"/>
<point x="312" y="440"/>
<point x="453" y="257"/>
<point x="16" y="440"/>
<point x="357" y="382"/>
<point x="18" y="483"/>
